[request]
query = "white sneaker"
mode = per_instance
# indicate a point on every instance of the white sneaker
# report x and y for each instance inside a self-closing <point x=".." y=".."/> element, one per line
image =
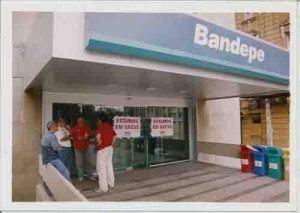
<point x="99" y="191"/>
<point x="92" y="178"/>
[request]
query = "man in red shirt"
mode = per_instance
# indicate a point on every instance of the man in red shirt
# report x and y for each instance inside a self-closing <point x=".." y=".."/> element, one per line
<point x="105" y="136"/>
<point x="80" y="134"/>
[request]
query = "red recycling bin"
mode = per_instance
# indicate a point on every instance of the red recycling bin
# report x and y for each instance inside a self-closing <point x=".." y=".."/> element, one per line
<point x="246" y="159"/>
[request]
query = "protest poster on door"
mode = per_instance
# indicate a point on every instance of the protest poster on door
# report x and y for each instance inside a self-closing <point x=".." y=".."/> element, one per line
<point x="127" y="127"/>
<point x="161" y="126"/>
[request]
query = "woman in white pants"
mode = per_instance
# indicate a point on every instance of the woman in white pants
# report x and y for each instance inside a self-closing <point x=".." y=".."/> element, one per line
<point x="105" y="136"/>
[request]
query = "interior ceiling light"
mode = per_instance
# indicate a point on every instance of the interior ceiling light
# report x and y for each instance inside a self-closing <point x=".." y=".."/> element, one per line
<point x="151" y="89"/>
<point x="111" y="85"/>
<point x="182" y="92"/>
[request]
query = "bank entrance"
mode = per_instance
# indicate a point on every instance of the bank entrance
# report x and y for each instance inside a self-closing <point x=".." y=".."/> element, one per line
<point x="129" y="153"/>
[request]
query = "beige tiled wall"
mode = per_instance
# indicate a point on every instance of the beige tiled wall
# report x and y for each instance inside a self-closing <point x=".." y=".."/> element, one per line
<point x="26" y="141"/>
<point x="26" y="129"/>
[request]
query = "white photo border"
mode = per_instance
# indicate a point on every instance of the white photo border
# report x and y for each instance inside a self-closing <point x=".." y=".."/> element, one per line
<point x="140" y="6"/>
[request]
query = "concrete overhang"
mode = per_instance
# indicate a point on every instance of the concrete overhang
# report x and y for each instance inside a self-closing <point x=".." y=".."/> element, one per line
<point x="69" y="67"/>
<point x="74" y="76"/>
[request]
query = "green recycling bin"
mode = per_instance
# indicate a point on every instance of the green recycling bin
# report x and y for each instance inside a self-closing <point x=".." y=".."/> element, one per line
<point x="275" y="163"/>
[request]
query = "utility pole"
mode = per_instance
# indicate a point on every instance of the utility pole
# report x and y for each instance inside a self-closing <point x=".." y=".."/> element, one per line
<point x="269" y="128"/>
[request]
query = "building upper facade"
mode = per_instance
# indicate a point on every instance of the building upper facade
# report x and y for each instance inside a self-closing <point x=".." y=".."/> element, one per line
<point x="164" y="41"/>
<point x="272" y="27"/>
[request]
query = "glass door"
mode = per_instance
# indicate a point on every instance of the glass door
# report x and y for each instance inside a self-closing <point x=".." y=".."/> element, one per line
<point x="172" y="148"/>
<point x="139" y="152"/>
<point x="129" y="154"/>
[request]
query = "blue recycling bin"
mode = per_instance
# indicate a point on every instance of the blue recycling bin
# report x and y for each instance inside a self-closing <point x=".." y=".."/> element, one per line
<point x="260" y="158"/>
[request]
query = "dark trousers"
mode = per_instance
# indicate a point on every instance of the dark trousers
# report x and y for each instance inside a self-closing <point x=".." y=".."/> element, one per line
<point x="66" y="156"/>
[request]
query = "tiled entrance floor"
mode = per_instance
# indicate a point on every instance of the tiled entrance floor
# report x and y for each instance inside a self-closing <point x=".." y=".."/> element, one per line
<point x="190" y="181"/>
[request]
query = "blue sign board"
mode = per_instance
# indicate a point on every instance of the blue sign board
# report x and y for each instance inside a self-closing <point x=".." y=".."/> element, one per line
<point x="184" y="39"/>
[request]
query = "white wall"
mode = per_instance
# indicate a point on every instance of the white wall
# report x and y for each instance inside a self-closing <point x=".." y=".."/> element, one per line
<point x="38" y="46"/>
<point x="69" y="37"/>
<point x="219" y="121"/>
<point x="21" y="27"/>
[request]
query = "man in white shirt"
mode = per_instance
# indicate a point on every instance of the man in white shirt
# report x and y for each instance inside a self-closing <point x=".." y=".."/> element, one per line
<point x="64" y="139"/>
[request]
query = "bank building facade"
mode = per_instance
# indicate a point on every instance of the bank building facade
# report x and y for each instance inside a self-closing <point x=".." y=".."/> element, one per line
<point x="183" y="75"/>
